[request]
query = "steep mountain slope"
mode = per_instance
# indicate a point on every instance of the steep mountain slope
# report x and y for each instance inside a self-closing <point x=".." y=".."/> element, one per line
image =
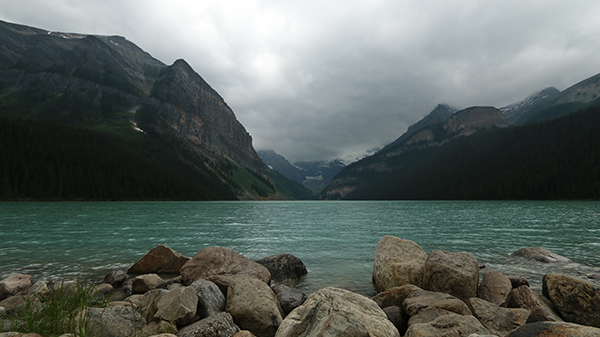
<point x="513" y="111"/>
<point x="433" y="133"/>
<point x="580" y="95"/>
<point x="108" y="84"/>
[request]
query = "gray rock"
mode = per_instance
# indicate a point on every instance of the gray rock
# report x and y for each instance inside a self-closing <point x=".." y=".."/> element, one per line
<point x="148" y="303"/>
<point x="540" y="255"/>
<point x="244" y="333"/>
<point x="15" y="284"/>
<point x="424" y="299"/>
<point x="397" y="262"/>
<point x="555" y="329"/>
<point x="284" y="267"/>
<point x="217" y="325"/>
<point x="289" y="298"/>
<point x="496" y="319"/>
<point x="577" y="301"/>
<point x="450" y="325"/>
<point x="456" y="274"/>
<point x="113" y="321"/>
<point x="494" y="287"/>
<point x="102" y="290"/>
<point x="336" y="305"/>
<point x="222" y="262"/>
<point x="254" y="306"/>
<point x="210" y="298"/>
<point x="159" y="260"/>
<point x="39" y="288"/>
<point x="144" y="283"/>
<point x="177" y="306"/>
<point x="394" y="296"/>
<point x="116" y="277"/>
<point x="397" y="317"/>
<point x="158" y="328"/>
<point x="541" y="309"/>
<point x="427" y="315"/>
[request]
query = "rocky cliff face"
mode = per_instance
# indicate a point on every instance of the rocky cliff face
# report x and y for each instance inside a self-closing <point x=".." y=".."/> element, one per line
<point x="64" y="65"/>
<point x="513" y="111"/>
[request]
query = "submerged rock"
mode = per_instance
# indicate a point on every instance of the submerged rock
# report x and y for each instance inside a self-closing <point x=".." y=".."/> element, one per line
<point x="398" y="262"/>
<point x="540" y="254"/>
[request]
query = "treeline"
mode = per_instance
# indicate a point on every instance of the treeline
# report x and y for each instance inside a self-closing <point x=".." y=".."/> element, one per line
<point x="41" y="160"/>
<point x="556" y="159"/>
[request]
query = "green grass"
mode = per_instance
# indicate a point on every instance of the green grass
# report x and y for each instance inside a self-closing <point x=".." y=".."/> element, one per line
<point x="58" y="311"/>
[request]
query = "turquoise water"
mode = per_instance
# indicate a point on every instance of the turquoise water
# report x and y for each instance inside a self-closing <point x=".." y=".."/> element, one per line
<point x="336" y="240"/>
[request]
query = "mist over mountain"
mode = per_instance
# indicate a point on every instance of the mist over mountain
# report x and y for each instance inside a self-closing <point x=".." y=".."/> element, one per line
<point x="112" y="88"/>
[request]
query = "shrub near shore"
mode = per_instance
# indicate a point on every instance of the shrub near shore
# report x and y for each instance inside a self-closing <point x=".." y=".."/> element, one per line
<point x="222" y="291"/>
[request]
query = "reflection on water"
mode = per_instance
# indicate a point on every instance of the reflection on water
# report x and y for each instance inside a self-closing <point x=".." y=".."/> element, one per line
<point x="336" y="240"/>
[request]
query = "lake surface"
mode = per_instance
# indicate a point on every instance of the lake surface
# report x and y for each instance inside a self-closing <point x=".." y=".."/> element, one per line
<point x="335" y="240"/>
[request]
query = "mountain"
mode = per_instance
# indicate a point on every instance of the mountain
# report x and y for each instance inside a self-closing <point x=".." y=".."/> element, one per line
<point x="580" y="95"/>
<point x="432" y="131"/>
<point x="313" y="175"/>
<point x="112" y="89"/>
<point x="514" y="111"/>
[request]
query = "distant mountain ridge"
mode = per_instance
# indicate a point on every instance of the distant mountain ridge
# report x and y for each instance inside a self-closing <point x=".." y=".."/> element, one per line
<point x="108" y="84"/>
<point x="514" y="111"/>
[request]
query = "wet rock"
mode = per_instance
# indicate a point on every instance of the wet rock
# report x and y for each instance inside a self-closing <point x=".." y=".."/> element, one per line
<point x="159" y="260"/>
<point x="284" y="267"/>
<point x="177" y="306"/>
<point x="541" y="309"/>
<point x="518" y="280"/>
<point x="397" y="317"/>
<point x="394" y="296"/>
<point x="577" y="301"/>
<point x="496" y="319"/>
<point x="210" y="298"/>
<point x="217" y="325"/>
<point x="397" y="262"/>
<point x="424" y="299"/>
<point x="254" y="306"/>
<point x="222" y="262"/>
<point x="113" y="321"/>
<point x="555" y="329"/>
<point x="116" y="277"/>
<point x="144" y="283"/>
<point x="15" y="284"/>
<point x="450" y="325"/>
<point x="494" y="287"/>
<point x="540" y="255"/>
<point x="289" y="298"/>
<point x="456" y="274"/>
<point x="316" y="317"/>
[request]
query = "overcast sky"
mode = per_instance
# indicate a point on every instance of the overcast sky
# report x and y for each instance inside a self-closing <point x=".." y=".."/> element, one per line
<point x="317" y="80"/>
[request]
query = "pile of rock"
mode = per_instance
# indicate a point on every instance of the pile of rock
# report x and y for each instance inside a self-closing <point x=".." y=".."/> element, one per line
<point x="219" y="292"/>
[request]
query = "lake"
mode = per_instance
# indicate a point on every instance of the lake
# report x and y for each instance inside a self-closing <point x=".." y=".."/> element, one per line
<point x="336" y="240"/>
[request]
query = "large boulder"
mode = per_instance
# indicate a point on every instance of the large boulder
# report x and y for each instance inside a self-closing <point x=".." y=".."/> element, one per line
<point x="284" y="267"/>
<point x="456" y="274"/>
<point x="541" y="309"/>
<point x="540" y="255"/>
<point x="223" y="263"/>
<point x="254" y="306"/>
<point x="328" y="310"/>
<point x="289" y="298"/>
<point x="15" y="284"/>
<point x="144" y="283"/>
<point x="398" y="262"/>
<point x="217" y="325"/>
<point x="177" y="306"/>
<point x="496" y="319"/>
<point x="159" y="260"/>
<point x="450" y="325"/>
<point x="555" y="329"/>
<point x="117" y="321"/>
<point x="210" y="298"/>
<point x="424" y="299"/>
<point x="394" y="296"/>
<point x="577" y="301"/>
<point x="494" y="287"/>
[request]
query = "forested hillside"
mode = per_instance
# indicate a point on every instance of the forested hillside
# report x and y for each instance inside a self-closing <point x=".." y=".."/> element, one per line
<point x="555" y="159"/>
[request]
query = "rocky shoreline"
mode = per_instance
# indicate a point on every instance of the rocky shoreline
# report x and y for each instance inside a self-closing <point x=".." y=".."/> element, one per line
<point x="219" y="292"/>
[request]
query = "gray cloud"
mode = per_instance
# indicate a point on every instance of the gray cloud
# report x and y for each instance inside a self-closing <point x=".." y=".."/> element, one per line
<point x="318" y="80"/>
